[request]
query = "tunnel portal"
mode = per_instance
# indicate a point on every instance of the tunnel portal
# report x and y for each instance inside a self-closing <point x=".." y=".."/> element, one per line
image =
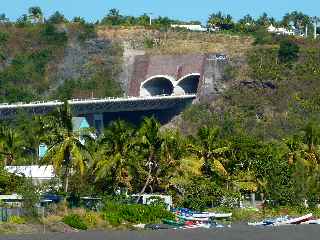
<point x="155" y="86"/>
<point x="187" y="84"/>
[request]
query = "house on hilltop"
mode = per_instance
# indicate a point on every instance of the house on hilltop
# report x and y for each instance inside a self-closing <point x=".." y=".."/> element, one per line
<point x="190" y="27"/>
<point x="280" y="31"/>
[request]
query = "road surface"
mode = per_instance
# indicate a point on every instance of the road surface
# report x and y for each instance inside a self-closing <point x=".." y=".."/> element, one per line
<point x="237" y="232"/>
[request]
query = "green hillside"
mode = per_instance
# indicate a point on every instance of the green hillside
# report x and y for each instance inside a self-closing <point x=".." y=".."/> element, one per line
<point x="274" y="93"/>
<point x="43" y="61"/>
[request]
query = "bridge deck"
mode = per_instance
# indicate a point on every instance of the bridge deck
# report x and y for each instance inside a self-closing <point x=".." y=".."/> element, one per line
<point x="88" y="106"/>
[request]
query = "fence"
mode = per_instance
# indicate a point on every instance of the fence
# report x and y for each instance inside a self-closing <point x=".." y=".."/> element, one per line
<point x="6" y="213"/>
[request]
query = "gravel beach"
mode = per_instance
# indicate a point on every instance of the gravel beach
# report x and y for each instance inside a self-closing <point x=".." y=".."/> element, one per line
<point x="237" y="232"/>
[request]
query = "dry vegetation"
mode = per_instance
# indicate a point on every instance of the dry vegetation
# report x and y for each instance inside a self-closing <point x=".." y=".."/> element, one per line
<point x="180" y="42"/>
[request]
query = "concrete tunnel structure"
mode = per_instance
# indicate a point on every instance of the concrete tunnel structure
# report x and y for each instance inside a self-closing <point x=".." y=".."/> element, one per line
<point x="157" y="85"/>
<point x="187" y="84"/>
<point x="167" y="85"/>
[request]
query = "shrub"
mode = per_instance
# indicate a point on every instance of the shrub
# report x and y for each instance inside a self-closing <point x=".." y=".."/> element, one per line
<point x="148" y="43"/>
<point x="116" y="213"/>
<point x="31" y="196"/>
<point x="230" y="199"/>
<point x="75" y="221"/>
<point x="201" y="193"/>
<point x="91" y="219"/>
<point x="87" y="31"/>
<point x="57" y="18"/>
<point x="4" y="36"/>
<point x="262" y="37"/>
<point x="50" y="219"/>
<point x="288" y="51"/>
<point x="52" y="36"/>
<point x="17" y="220"/>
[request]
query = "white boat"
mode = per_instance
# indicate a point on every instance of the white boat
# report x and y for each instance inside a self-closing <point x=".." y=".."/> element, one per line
<point x="269" y="222"/>
<point x="202" y="225"/>
<point x="256" y="223"/>
<point x="314" y="221"/>
<point x="202" y="215"/>
<point x="297" y="220"/>
<point x="191" y="218"/>
<point x="211" y="214"/>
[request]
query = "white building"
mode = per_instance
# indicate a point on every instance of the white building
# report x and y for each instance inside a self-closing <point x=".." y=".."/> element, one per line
<point x="280" y="31"/>
<point x="190" y="27"/>
<point x="38" y="174"/>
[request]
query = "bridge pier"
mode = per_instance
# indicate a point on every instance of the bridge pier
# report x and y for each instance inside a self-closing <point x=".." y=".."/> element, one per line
<point x="95" y="120"/>
<point x="98" y="122"/>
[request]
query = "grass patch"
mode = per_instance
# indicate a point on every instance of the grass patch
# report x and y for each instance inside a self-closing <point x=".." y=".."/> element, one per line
<point x="17" y="220"/>
<point x="75" y="221"/>
<point x="116" y="214"/>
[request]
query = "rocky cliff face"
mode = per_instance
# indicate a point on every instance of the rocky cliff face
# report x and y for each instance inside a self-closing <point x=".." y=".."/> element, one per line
<point x="128" y="66"/>
<point x="80" y="59"/>
<point x="214" y="78"/>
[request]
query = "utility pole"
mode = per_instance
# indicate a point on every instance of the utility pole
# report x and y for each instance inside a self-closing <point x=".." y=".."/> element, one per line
<point x="315" y="30"/>
<point x="150" y="18"/>
<point x="315" y="22"/>
<point x="306" y="31"/>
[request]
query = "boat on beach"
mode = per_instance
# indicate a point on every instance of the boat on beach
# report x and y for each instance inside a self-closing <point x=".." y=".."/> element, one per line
<point x="269" y="221"/>
<point x="187" y="219"/>
<point x="313" y="221"/>
<point x="296" y="220"/>
<point x="212" y="214"/>
<point x="281" y="221"/>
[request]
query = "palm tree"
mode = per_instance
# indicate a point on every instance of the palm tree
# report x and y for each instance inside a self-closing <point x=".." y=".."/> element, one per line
<point x="264" y="20"/>
<point x="207" y="148"/>
<point x="33" y="131"/>
<point x="162" y="152"/>
<point x="247" y="19"/>
<point x="303" y="155"/>
<point x="66" y="151"/>
<point x="36" y="14"/>
<point x="116" y="154"/>
<point x="296" y="150"/>
<point x="150" y="142"/>
<point x="305" y="148"/>
<point x="188" y="169"/>
<point x="171" y="152"/>
<point x="113" y="18"/>
<point x="11" y="144"/>
<point x="312" y="136"/>
<point x="3" y="18"/>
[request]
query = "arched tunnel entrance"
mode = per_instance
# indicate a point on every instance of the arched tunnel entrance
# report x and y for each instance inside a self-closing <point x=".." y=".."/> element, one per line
<point x="187" y="84"/>
<point x="157" y="85"/>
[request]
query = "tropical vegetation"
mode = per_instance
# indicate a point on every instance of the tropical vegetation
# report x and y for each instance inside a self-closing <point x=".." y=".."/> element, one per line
<point x="260" y="135"/>
<point x="213" y="167"/>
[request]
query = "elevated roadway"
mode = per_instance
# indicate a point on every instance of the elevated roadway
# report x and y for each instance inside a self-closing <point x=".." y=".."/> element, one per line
<point x="98" y="106"/>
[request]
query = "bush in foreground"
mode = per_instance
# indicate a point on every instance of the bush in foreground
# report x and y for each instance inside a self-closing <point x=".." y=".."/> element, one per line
<point x="17" y="220"/>
<point x="75" y="221"/>
<point x="116" y="213"/>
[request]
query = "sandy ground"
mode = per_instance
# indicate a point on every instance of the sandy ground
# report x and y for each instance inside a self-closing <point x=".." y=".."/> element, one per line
<point x="237" y="232"/>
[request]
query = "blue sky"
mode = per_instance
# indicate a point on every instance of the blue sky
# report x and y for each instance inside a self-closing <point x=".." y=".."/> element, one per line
<point x="93" y="10"/>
